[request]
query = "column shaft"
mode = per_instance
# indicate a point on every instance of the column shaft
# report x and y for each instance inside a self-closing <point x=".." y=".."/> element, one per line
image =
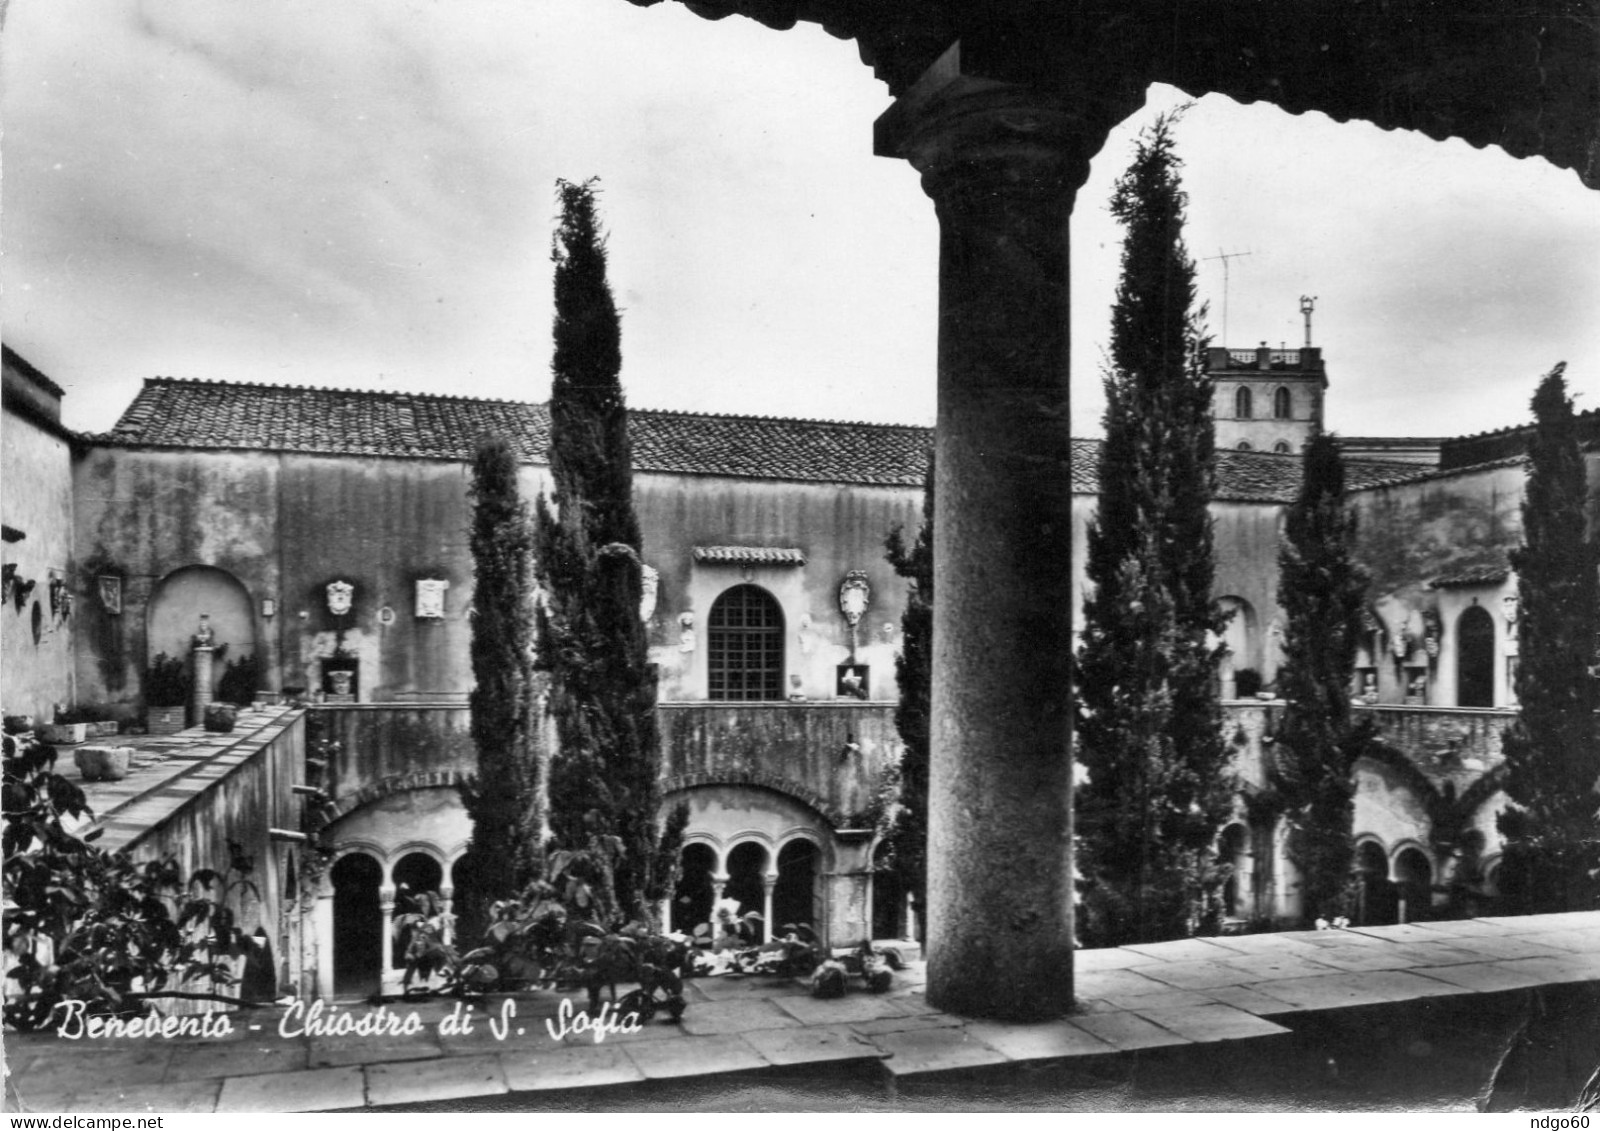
<point x="1003" y="164"/>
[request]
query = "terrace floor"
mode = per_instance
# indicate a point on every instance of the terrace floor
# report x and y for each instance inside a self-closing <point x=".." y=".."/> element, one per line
<point x="1196" y="992"/>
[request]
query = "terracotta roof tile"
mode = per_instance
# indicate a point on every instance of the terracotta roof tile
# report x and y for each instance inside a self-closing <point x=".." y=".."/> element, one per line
<point x="173" y="413"/>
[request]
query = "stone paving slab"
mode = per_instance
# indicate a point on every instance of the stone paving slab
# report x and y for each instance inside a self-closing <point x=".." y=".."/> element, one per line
<point x="1396" y="932"/>
<point x="194" y="1096"/>
<point x="840" y="1010"/>
<point x="1269" y="967"/>
<point x="419" y="1081"/>
<point x="1509" y="946"/>
<point x="1104" y="984"/>
<point x="1113" y="958"/>
<point x="812" y="1045"/>
<point x="1168" y="999"/>
<point x="335" y="1052"/>
<point x="1199" y="975"/>
<point x="1578" y="941"/>
<point x="1128" y="1031"/>
<point x="1342" y="991"/>
<point x="568" y="1066"/>
<point x="321" y="1089"/>
<point x="1483" y="977"/>
<point x="1051" y="1040"/>
<point x="1182" y="950"/>
<point x="901" y="1024"/>
<point x="734" y="1016"/>
<point x="1247" y="998"/>
<point x="919" y="1051"/>
<point x="254" y="1058"/>
<point x="694" y="1056"/>
<point x="1217" y="1022"/>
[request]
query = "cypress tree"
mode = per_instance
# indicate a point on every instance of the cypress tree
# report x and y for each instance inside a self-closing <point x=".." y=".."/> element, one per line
<point x="505" y="798"/>
<point x="913" y="671"/>
<point x="1321" y="589"/>
<point x="1552" y="850"/>
<point x="605" y="774"/>
<point x="1149" y="720"/>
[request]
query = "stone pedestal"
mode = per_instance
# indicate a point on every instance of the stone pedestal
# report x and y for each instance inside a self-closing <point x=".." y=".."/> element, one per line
<point x="204" y="654"/>
<point x="1002" y="163"/>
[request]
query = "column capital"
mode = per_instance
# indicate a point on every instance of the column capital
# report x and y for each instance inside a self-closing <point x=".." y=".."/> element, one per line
<point x="958" y="126"/>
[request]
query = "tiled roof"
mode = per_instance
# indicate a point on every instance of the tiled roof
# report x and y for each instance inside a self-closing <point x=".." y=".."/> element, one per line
<point x="1478" y="575"/>
<point x="750" y="555"/>
<point x="173" y="413"/>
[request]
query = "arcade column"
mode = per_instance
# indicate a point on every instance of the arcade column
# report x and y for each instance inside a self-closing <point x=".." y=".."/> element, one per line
<point x="1002" y="162"/>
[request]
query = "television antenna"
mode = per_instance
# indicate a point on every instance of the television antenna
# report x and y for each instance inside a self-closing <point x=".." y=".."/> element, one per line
<point x="1225" y="256"/>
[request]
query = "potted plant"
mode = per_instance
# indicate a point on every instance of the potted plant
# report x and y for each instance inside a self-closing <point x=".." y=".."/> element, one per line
<point x="166" y="694"/>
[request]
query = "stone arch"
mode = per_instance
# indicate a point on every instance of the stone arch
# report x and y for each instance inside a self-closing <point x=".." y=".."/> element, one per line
<point x="1413" y="871"/>
<point x="183" y="596"/>
<point x="790" y="788"/>
<point x="1233" y="849"/>
<point x="692" y="899"/>
<point x="795" y="895"/>
<point x="376" y="791"/>
<point x="747" y="864"/>
<point x="1375" y="901"/>
<point x="1475" y="644"/>
<point x="358" y="926"/>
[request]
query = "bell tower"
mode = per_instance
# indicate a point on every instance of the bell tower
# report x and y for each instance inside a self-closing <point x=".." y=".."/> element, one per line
<point x="1269" y="400"/>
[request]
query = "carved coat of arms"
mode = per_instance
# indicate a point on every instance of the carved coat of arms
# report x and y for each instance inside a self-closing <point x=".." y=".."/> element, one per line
<point x="340" y="596"/>
<point x="430" y="598"/>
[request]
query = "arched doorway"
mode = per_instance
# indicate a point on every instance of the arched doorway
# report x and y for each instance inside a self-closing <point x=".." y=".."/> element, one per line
<point x="888" y="898"/>
<point x="1376" y="903"/>
<point x="747" y="865"/>
<point x="794" y="897"/>
<point x="1475" y="658"/>
<point x="357" y="924"/>
<point x="1414" y="880"/>
<point x="416" y="873"/>
<point x="691" y="902"/>
<point x="1234" y="850"/>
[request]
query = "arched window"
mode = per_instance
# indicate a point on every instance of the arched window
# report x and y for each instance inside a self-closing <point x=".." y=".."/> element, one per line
<point x="1281" y="447"/>
<point x="746" y="645"/>
<point x="1243" y="406"/>
<point x="1281" y="408"/>
<point x="1244" y="446"/>
<point x="1475" y="658"/>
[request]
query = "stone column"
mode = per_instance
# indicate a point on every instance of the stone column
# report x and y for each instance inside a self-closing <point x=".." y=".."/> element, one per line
<point x="322" y="932"/>
<point x="200" y="697"/>
<point x="447" y="920"/>
<point x="768" y="882"/>
<point x="1003" y="163"/>
<point x="386" y="915"/>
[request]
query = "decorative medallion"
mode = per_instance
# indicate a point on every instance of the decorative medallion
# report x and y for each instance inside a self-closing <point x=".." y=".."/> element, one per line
<point x="341" y="594"/>
<point x="430" y="598"/>
<point x="854" y="595"/>
<point x="649" y="586"/>
<point x="1509" y="607"/>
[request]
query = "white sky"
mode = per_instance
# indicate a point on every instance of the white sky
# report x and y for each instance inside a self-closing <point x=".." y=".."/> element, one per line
<point x="360" y="195"/>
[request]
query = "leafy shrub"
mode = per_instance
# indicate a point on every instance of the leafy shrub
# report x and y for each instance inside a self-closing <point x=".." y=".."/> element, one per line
<point x="240" y="681"/>
<point x="84" y="924"/>
<point x="166" y="681"/>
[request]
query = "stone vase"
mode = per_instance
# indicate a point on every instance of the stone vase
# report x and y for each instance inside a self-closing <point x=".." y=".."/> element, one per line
<point x="103" y="763"/>
<point x="220" y="717"/>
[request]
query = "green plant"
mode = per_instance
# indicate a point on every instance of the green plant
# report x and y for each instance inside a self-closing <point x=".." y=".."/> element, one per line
<point x="240" y="681"/>
<point x="166" y="681"/>
<point x="83" y="924"/>
<point x="1149" y="724"/>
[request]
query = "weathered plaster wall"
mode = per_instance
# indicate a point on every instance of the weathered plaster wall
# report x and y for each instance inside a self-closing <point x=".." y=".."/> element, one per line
<point x="36" y="642"/>
<point x="831" y="757"/>
<point x="839" y="529"/>
<point x="384" y="750"/>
